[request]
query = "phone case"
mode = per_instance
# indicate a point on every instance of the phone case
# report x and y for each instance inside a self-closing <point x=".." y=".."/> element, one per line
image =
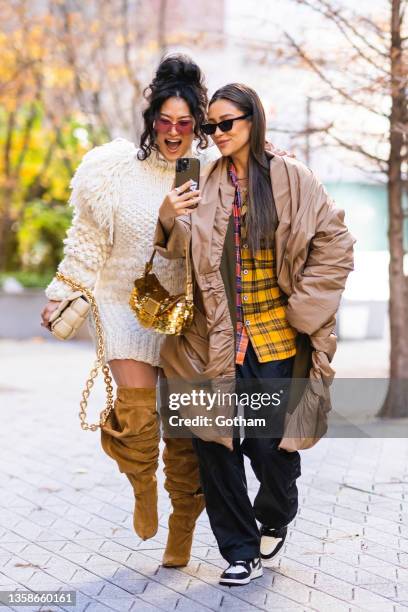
<point x="187" y="168"/>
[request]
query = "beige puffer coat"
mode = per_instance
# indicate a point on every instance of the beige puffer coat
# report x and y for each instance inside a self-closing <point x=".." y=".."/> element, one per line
<point x="314" y="255"/>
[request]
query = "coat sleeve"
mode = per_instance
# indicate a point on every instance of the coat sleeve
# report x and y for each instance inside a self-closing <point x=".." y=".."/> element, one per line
<point x="89" y="239"/>
<point x="317" y="291"/>
<point x="171" y="242"/>
<point x="312" y="309"/>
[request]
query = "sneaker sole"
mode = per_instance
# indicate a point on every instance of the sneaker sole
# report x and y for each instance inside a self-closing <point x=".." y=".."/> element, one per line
<point x="236" y="582"/>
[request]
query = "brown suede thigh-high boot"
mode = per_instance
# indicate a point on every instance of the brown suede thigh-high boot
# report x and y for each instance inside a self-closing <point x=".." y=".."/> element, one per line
<point x="131" y="436"/>
<point x="183" y="485"/>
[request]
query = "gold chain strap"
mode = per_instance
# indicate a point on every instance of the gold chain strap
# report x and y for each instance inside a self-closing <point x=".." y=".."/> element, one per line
<point x="100" y="352"/>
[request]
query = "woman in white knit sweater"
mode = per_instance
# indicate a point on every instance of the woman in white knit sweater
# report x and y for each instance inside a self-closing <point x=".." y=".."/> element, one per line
<point x="116" y="194"/>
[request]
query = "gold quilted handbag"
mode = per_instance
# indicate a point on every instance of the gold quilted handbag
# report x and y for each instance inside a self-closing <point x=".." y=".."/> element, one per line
<point x="63" y="323"/>
<point x="156" y="309"/>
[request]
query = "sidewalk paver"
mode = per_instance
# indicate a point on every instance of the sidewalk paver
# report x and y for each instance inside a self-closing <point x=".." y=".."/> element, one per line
<point x="66" y="512"/>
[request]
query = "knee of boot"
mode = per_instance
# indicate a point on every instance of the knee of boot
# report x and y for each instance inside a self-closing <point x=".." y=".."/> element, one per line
<point x="134" y="415"/>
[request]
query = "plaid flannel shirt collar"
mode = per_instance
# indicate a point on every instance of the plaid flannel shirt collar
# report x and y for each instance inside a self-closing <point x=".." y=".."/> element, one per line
<point x="242" y="338"/>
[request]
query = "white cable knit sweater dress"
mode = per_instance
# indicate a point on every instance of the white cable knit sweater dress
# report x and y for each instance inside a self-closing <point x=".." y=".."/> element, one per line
<point x="116" y="199"/>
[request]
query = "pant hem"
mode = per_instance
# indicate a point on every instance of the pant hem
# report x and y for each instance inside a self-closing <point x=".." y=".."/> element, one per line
<point x="241" y="555"/>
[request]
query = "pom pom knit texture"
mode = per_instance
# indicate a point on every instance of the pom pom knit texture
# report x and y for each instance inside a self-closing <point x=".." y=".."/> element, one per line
<point x="116" y="199"/>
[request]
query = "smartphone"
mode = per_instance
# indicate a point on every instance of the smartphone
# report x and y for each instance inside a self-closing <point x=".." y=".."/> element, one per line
<point x="188" y="168"/>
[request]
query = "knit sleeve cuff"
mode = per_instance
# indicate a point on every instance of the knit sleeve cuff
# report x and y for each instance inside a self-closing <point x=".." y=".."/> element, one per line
<point x="57" y="290"/>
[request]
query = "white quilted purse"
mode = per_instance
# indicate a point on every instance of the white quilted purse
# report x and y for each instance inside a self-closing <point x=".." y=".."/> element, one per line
<point x="70" y="315"/>
<point x="64" y="323"/>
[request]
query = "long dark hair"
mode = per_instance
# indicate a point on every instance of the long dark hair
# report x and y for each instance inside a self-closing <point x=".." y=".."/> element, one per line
<point x="261" y="217"/>
<point x="177" y="76"/>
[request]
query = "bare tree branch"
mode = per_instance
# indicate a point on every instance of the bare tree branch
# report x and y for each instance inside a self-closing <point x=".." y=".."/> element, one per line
<point x="359" y="149"/>
<point x="344" y="94"/>
<point x="311" y="130"/>
<point x="131" y="73"/>
<point x="344" y="26"/>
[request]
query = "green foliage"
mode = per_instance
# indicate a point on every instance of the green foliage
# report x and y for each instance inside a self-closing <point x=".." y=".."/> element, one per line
<point x="29" y="279"/>
<point x="40" y="235"/>
<point x="37" y="161"/>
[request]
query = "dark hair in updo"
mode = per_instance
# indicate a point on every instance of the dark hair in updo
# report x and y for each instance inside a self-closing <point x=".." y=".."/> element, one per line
<point x="176" y="77"/>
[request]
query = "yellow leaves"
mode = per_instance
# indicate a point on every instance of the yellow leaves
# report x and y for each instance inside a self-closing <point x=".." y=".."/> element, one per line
<point x="3" y="39"/>
<point x="28" y="173"/>
<point x="21" y="44"/>
<point x="43" y="156"/>
<point x="48" y="20"/>
<point x="152" y="46"/>
<point x="120" y="40"/>
<point x="9" y="104"/>
<point x="94" y="27"/>
<point x="58" y="186"/>
<point x="59" y="76"/>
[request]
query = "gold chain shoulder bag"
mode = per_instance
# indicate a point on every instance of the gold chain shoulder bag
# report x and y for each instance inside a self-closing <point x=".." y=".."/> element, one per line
<point x="155" y="308"/>
<point x="64" y="322"/>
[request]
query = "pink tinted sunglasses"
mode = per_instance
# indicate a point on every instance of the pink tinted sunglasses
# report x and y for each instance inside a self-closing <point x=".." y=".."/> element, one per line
<point x="184" y="126"/>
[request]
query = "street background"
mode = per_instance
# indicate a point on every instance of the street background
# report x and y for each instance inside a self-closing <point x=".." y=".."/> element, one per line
<point x="333" y="82"/>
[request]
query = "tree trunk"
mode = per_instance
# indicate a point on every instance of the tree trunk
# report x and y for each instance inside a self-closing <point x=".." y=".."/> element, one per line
<point x="7" y="241"/>
<point x="396" y="402"/>
<point x="161" y="28"/>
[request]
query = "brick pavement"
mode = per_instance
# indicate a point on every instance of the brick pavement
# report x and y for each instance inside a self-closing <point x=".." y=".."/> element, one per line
<point x="65" y="513"/>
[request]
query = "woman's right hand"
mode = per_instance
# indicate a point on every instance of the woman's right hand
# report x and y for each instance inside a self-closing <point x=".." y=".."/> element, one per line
<point x="47" y="311"/>
<point x="180" y="201"/>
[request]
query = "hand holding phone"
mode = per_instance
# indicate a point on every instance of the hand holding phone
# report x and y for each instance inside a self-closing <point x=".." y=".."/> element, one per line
<point x="179" y="201"/>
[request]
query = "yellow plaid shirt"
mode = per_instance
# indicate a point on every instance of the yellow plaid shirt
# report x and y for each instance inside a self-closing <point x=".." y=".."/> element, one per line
<point x="264" y="307"/>
<point x="261" y="305"/>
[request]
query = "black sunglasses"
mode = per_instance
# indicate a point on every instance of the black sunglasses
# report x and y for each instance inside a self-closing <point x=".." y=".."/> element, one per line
<point x="225" y="126"/>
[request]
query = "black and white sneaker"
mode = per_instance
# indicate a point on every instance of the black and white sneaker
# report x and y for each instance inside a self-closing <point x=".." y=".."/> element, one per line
<point x="272" y="541"/>
<point x="241" y="572"/>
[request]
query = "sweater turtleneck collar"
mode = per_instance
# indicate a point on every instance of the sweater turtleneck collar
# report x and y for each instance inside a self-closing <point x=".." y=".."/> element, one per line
<point x="157" y="160"/>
